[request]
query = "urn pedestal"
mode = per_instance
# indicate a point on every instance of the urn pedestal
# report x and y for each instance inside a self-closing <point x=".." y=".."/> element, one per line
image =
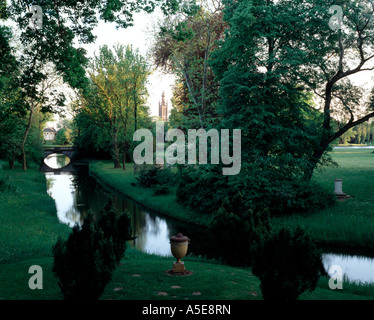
<point x="179" y="247"/>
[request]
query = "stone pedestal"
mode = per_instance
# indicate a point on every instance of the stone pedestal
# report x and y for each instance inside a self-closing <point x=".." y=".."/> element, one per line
<point x="178" y="267"/>
<point x="339" y="187"/>
<point x="340" y="195"/>
<point x="179" y="246"/>
<point x="178" y="270"/>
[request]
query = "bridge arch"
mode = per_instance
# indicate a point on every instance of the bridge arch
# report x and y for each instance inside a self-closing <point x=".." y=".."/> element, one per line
<point x="67" y="151"/>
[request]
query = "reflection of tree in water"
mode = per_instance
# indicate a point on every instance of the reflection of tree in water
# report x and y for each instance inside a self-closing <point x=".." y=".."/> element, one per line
<point x="122" y="204"/>
<point x="138" y="222"/>
<point x="74" y="216"/>
<point x="49" y="182"/>
<point x="90" y="196"/>
<point x="62" y="160"/>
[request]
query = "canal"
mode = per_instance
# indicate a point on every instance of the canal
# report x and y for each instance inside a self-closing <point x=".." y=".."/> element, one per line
<point x="77" y="194"/>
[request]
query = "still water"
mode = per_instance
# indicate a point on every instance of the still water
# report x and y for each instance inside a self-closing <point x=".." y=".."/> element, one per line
<point x="56" y="161"/>
<point x="76" y="195"/>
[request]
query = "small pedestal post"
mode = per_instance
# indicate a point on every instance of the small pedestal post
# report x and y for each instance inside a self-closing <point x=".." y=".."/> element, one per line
<point x="340" y="195"/>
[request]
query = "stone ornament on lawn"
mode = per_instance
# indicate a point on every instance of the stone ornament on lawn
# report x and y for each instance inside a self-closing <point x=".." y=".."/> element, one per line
<point x="340" y="195"/>
<point x="179" y="247"/>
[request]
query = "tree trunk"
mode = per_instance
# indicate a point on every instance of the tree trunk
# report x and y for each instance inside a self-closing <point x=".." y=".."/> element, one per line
<point x="24" y="159"/>
<point x="136" y="127"/>
<point x="116" y="160"/>
<point x="12" y="160"/>
<point x="317" y="155"/>
<point x="124" y="156"/>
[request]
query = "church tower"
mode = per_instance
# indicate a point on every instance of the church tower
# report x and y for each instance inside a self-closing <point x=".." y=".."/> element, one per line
<point x="163" y="108"/>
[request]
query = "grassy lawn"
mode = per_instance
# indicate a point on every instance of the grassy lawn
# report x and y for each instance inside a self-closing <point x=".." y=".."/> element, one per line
<point x="29" y="228"/>
<point x="28" y="221"/>
<point x="142" y="276"/>
<point x="349" y="223"/>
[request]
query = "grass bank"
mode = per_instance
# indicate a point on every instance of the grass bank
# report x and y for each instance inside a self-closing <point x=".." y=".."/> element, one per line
<point x="28" y="222"/>
<point x="124" y="182"/>
<point x="349" y="223"/>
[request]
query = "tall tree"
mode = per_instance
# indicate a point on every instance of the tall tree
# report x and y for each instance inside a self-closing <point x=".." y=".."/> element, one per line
<point x="274" y="52"/>
<point x="2" y="9"/>
<point x="348" y="51"/>
<point x="48" y="30"/>
<point x="258" y="93"/>
<point x="118" y="94"/>
<point x="183" y="47"/>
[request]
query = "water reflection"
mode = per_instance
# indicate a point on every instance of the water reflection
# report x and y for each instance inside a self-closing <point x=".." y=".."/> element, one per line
<point x="154" y="236"/>
<point x="62" y="189"/>
<point x="57" y="161"/>
<point x="75" y="195"/>
<point x="356" y="268"/>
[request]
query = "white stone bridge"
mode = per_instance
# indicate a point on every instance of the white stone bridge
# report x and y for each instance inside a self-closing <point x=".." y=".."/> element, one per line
<point x="67" y="151"/>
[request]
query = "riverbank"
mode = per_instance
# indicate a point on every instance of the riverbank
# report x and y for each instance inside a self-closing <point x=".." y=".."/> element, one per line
<point x="29" y="221"/>
<point x="347" y="224"/>
<point x="125" y="183"/>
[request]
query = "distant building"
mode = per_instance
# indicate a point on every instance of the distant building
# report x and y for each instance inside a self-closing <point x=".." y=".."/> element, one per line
<point x="49" y="134"/>
<point x="163" y="108"/>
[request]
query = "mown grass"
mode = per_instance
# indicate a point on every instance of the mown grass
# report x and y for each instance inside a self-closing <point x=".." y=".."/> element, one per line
<point x="348" y="223"/>
<point x="29" y="228"/>
<point x="142" y="276"/>
<point x="125" y="182"/>
<point x="28" y="221"/>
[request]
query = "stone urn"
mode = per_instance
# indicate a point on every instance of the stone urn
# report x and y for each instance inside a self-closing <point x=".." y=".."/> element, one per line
<point x="179" y="247"/>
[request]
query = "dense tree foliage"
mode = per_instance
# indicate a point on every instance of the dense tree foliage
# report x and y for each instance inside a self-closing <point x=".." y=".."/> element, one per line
<point x="255" y="67"/>
<point x="47" y="33"/>
<point x="287" y="265"/>
<point x="284" y="80"/>
<point x="115" y="105"/>
<point x="234" y="226"/>
<point x="183" y="47"/>
<point x="84" y="263"/>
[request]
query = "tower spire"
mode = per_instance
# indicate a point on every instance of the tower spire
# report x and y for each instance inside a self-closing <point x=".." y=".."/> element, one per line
<point x="163" y="108"/>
